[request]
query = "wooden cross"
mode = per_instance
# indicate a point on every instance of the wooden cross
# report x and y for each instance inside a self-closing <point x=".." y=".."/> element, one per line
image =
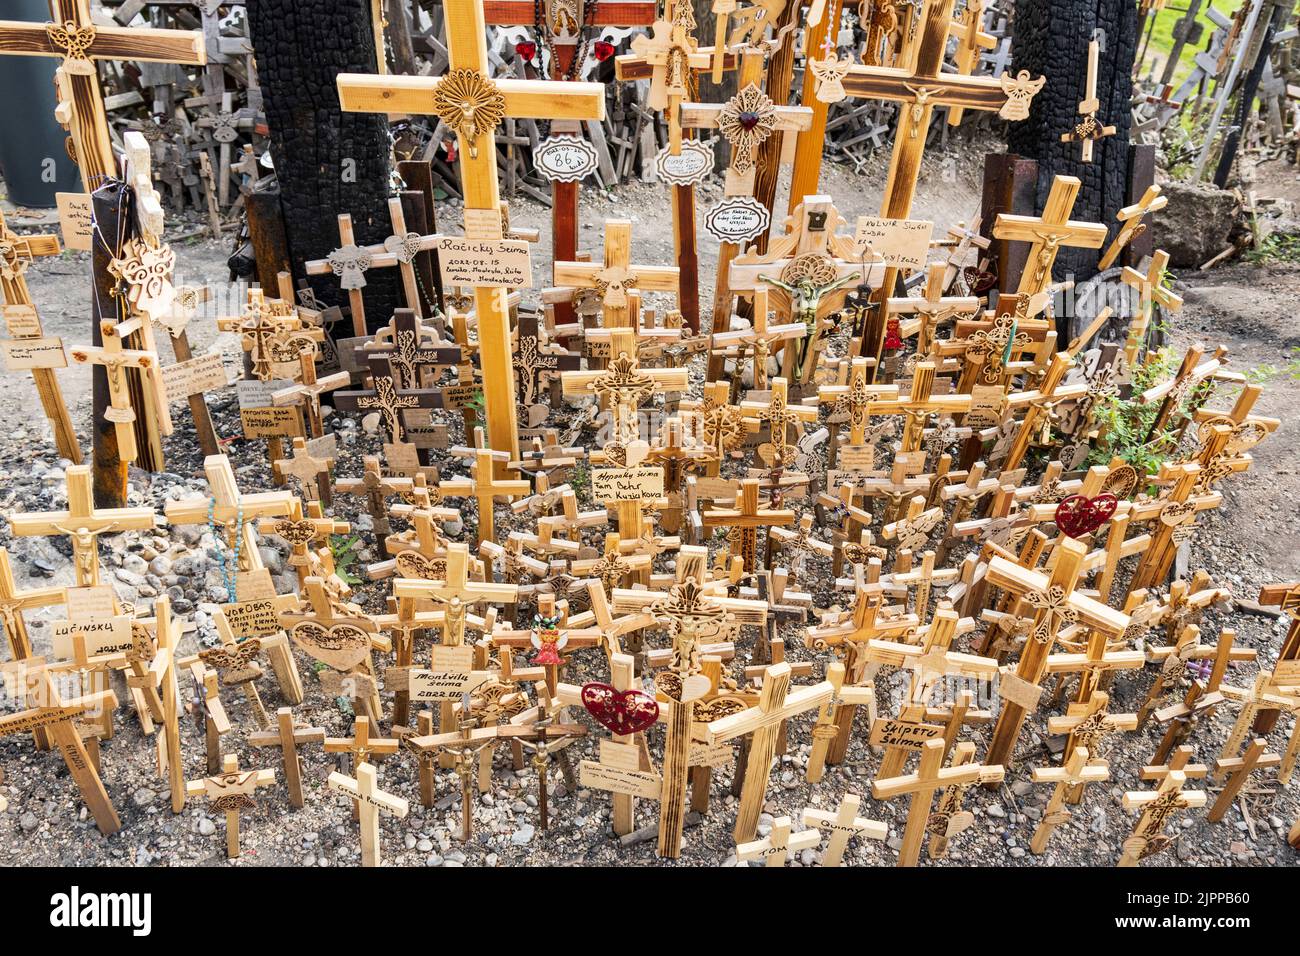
<point x="1088" y="130"/>
<point x="745" y="518"/>
<point x="783" y="420"/>
<point x="268" y="331"/>
<point x="236" y="664"/>
<point x="1088" y="724"/>
<point x="971" y="39"/>
<point x="932" y="309"/>
<point x="844" y="825"/>
<point x="1264" y="692"/>
<point x="918" y="91"/>
<point x="79" y="42"/>
<point x="1152" y="292"/>
<point x="376" y="488"/>
<point x="1056" y="603"/>
<point x="1048" y="233"/>
<point x="774" y="848"/>
<point x="959" y="252"/>
<point x="411" y="347"/>
<point x="385" y="397"/>
<point x="775" y="706"/>
<point x="535" y="361"/>
<point x="760" y="339"/>
<point x="365" y="793"/>
<point x="116" y="360"/>
<point x="919" y="405"/>
<point x="1238" y="770"/>
<point x="1157" y="807"/>
<point x="14" y="602"/>
<point x="616" y="280"/>
<point x="553" y="642"/>
<point x="83" y="523"/>
<point x="745" y="121"/>
<point x="49" y="713"/>
<point x="288" y="734"/>
<point x="624" y="385"/>
<point x="1133" y="226"/>
<point x="22" y="322"/>
<point x="1078" y="771"/>
<point x="472" y="106"/>
<point x="462" y="748"/>
<point x="455" y="593"/>
<point x="231" y="791"/>
<point x="361" y="745"/>
<point x="311" y="473"/>
<point x="930" y="776"/>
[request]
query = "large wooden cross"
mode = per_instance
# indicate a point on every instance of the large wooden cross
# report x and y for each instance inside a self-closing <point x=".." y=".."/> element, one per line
<point x="472" y="106"/>
<point x="617" y="278"/>
<point x="83" y="523"/>
<point x="918" y="91"/>
<point x="75" y="38"/>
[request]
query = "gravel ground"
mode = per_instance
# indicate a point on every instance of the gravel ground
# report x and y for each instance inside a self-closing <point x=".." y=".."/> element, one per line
<point x="1252" y="540"/>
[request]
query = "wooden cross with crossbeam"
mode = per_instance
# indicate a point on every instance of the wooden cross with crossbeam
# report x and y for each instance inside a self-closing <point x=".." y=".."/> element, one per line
<point x="22" y="322"/>
<point x="472" y="106"/>
<point x="79" y="42"/>
<point x="1048" y="233"/>
<point x="83" y="523"/>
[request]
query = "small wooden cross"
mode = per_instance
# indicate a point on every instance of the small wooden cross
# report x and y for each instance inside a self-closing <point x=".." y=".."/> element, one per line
<point x="1048" y="233"/>
<point x="1088" y="130"/>
<point x="1133" y="226"/>
<point x="386" y="398"/>
<point x="1238" y="770"/>
<point x="376" y="488"/>
<point x="365" y="793"/>
<point x="774" y="848"/>
<point x="47" y="711"/>
<point x="930" y="776"/>
<point x="919" y="405"/>
<point x="932" y="309"/>
<point x="83" y="523"/>
<point x="783" y="421"/>
<point x="14" y="602"/>
<point x="844" y="825"/>
<point x="745" y="518"/>
<point x="116" y="360"/>
<point x="269" y="332"/>
<point x="1079" y="770"/>
<point x="1152" y="292"/>
<point x="236" y="664"/>
<point x="1157" y="808"/>
<point x="22" y="321"/>
<point x="616" y="278"/>
<point x="288" y="734"/>
<point x="231" y="792"/>
<point x="311" y="473"/>
<point x="1088" y="724"/>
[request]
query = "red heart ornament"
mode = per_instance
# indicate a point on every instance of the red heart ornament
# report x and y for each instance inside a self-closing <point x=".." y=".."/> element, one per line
<point x="621" y="712"/>
<point x="526" y="50"/>
<point x="602" y="50"/>
<point x="1077" y="515"/>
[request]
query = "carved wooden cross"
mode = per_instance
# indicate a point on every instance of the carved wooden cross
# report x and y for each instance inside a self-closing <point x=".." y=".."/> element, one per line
<point x="83" y="523"/>
<point x="783" y="420"/>
<point x="971" y="39"/>
<point x="455" y="593"/>
<point x="1088" y="723"/>
<point x="1157" y="807"/>
<point x="1056" y="603"/>
<point x="1048" y="233"/>
<point x="366" y="795"/>
<point x="919" y="405"/>
<point x="616" y="280"/>
<point x="932" y="309"/>
<point x="624" y="385"/>
<point x="1238" y="770"/>
<point x="231" y="791"/>
<point x="385" y="397"/>
<point x="472" y="106"/>
<point x="760" y="339"/>
<point x="1089" y="129"/>
<point x="311" y="473"/>
<point x="269" y="333"/>
<point x="930" y="776"/>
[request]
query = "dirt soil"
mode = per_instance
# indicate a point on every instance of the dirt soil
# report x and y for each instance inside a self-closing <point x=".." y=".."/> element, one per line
<point x="1252" y="540"/>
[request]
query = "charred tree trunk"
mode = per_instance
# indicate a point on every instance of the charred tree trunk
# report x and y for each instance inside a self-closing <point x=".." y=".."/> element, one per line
<point x="1050" y="38"/>
<point x="326" y="161"/>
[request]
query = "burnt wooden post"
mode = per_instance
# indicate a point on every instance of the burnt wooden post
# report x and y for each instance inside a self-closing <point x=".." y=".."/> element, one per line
<point x="1010" y="185"/>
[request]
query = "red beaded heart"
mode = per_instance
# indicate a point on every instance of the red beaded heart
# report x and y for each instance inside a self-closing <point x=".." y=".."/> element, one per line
<point x="602" y="50"/>
<point x="526" y="50"/>
<point x="621" y="712"/>
<point x="1077" y="515"/>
